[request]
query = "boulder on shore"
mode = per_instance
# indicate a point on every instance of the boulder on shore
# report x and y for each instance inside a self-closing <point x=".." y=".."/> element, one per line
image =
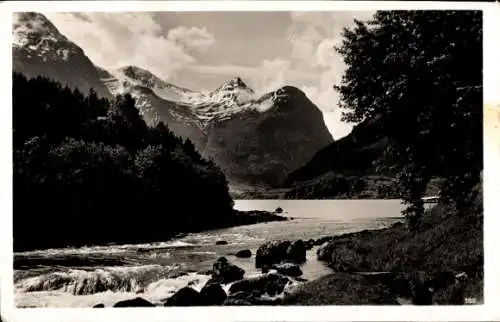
<point x="212" y="294"/>
<point x="225" y="272"/>
<point x="186" y="296"/>
<point x="221" y="242"/>
<point x="98" y="306"/>
<point x="275" y="252"/>
<point x="136" y="302"/>
<point x="245" y="253"/>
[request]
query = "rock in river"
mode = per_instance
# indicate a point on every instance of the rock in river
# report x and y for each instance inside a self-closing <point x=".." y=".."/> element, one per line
<point x="186" y="296"/>
<point x="212" y="294"/>
<point x="225" y="272"/>
<point x="246" y="253"/>
<point x="296" y="252"/>
<point x="275" y="252"/>
<point x="270" y="253"/>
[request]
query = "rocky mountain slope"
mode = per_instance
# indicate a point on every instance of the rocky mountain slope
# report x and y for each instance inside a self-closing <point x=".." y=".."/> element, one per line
<point x="253" y="138"/>
<point x="39" y="48"/>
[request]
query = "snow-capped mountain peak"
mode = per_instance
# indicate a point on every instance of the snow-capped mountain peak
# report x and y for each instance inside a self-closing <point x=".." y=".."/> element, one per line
<point x="38" y="48"/>
<point x="34" y="33"/>
<point x="233" y="91"/>
<point x="233" y="84"/>
<point x="142" y="76"/>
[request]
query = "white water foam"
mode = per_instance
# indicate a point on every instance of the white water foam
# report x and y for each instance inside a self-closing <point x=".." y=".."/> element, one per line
<point x="85" y="282"/>
<point x="156" y="292"/>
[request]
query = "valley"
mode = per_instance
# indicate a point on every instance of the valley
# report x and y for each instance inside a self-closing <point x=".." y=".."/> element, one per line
<point x="130" y="190"/>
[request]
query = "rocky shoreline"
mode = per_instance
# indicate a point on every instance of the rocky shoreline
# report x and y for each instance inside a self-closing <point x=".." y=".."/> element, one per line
<point x="279" y="262"/>
<point x="434" y="265"/>
<point x="359" y="276"/>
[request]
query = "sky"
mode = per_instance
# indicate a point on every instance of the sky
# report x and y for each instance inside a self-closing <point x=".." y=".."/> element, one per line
<point x="201" y="50"/>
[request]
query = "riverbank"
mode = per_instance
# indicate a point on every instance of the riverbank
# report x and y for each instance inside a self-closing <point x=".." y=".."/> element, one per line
<point x="440" y="263"/>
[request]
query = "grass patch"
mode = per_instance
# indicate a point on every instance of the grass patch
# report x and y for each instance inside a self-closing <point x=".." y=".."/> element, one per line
<point x="443" y="242"/>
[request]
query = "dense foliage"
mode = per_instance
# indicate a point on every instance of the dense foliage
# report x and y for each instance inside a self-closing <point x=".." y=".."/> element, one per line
<point x="422" y="71"/>
<point x="90" y="171"/>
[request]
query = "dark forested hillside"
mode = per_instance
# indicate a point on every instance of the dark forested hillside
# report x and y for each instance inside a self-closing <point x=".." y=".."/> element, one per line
<point x="354" y="154"/>
<point x="90" y="171"/>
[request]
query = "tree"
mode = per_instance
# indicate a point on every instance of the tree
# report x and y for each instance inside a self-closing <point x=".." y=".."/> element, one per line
<point x="422" y="71"/>
<point x="87" y="171"/>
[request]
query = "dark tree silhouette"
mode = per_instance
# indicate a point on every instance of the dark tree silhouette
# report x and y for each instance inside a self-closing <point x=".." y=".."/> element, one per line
<point x="422" y="71"/>
<point x="89" y="171"/>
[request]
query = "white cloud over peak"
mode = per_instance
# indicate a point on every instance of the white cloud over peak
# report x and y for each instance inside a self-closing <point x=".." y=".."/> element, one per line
<point x="274" y="75"/>
<point x="112" y="40"/>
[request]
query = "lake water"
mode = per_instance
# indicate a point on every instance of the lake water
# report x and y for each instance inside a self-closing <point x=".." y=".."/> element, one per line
<point x="83" y="277"/>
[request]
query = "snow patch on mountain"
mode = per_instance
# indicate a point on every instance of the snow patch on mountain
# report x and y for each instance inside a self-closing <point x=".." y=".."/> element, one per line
<point x="233" y="91"/>
<point x="35" y="34"/>
<point x="231" y="98"/>
<point x="128" y="77"/>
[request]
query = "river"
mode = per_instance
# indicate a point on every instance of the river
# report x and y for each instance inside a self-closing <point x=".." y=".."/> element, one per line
<point x="83" y="277"/>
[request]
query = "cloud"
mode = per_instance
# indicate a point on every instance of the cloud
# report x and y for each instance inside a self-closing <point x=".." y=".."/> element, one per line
<point x="274" y="75"/>
<point x="192" y="39"/>
<point x="325" y="55"/>
<point x="112" y="40"/>
<point x="313" y="36"/>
